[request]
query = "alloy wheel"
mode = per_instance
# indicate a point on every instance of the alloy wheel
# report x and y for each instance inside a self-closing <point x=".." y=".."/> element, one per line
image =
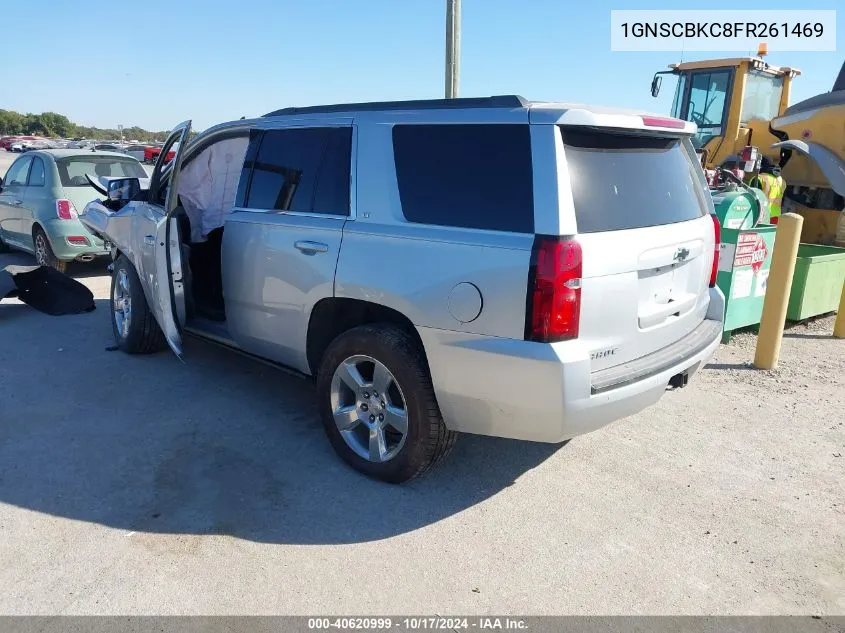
<point x="122" y="303"/>
<point x="42" y="250"/>
<point x="369" y="408"/>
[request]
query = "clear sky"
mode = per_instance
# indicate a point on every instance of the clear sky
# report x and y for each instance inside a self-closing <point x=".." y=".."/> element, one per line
<point x="154" y="63"/>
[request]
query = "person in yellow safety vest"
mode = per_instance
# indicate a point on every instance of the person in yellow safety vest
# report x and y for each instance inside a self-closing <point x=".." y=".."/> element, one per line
<point x="773" y="185"/>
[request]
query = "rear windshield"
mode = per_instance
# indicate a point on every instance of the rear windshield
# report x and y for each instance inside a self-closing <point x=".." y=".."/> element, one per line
<point x="624" y="181"/>
<point x="72" y="170"/>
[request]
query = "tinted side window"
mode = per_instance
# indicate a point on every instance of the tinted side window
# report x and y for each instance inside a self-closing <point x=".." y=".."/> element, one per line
<point x="628" y="182"/>
<point x="284" y="175"/>
<point x="472" y="176"/>
<point x="36" y="173"/>
<point x="332" y="194"/>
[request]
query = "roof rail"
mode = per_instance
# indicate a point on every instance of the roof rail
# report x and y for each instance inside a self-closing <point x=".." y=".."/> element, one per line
<point x="500" y="101"/>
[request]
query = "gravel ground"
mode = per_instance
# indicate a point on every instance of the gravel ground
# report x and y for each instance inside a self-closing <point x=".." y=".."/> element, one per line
<point x="143" y="485"/>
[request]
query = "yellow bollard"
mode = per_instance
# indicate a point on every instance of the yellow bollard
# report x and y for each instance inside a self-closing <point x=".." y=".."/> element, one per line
<point x="839" y="324"/>
<point x="777" y="291"/>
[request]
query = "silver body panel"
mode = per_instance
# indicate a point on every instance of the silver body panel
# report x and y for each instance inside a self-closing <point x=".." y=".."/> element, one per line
<point x="270" y="286"/>
<point x="464" y="290"/>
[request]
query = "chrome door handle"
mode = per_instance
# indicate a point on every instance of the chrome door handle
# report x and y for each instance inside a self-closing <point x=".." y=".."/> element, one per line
<point x="149" y="240"/>
<point x="310" y="248"/>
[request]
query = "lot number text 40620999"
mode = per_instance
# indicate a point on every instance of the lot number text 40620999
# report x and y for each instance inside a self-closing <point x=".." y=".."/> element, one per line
<point x="418" y="623"/>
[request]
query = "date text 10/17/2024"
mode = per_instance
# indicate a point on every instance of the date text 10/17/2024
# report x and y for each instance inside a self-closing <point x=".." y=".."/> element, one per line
<point x="418" y="623"/>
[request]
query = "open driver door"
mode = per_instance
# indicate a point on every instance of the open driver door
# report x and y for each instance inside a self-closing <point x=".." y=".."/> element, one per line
<point x="168" y="288"/>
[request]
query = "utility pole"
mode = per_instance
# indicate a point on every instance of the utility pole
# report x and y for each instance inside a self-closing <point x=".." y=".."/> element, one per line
<point x="453" y="47"/>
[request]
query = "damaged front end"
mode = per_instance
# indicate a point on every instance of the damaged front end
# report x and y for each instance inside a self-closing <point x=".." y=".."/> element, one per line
<point x="111" y="219"/>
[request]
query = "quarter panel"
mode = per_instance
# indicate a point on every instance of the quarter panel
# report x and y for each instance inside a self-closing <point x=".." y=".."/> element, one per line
<point x="413" y="268"/>
<point x="554" y="209"/>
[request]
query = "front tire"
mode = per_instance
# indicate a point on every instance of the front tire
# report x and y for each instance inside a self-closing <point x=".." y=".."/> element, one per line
<point x="378" y="406"/>
<point x="44" y="254"/>
<point x="133" y="324"/>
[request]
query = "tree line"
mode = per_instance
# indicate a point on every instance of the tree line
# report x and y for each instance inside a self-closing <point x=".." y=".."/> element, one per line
<point x="51" y="124"/>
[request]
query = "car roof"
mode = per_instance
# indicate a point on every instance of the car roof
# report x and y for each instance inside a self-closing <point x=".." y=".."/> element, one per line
<point x="508" y="107"/>
<point x="499" y="101"/>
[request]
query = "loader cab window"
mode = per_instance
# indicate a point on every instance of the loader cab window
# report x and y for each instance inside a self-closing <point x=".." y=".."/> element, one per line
<point x="762" y="96"/>
<point x="704" y="102"/>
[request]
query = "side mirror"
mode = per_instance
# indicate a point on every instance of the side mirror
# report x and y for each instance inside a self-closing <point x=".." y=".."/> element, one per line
<point x="123" y="189"/>
<point x="655" y="85"/>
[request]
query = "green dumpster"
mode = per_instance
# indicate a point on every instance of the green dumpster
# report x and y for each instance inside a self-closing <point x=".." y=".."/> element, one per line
<point x="817" y="284"/>
<point x="745" y="256"/>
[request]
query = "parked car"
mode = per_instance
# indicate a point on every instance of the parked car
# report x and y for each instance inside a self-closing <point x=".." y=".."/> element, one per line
<point x="80" y="144"/>
<point x="107" y="147"/>
<point x="7" y="141"/>
<point x="19" y="143"/>
<point x="136" y="151"/>
<point x="39" y="198"/>
<point x="29" y="146"/>
<point x="151" y="153"/>
<point x="493" y="266"/>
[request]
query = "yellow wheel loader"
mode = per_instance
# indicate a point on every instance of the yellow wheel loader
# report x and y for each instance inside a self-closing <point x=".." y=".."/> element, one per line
<point x="744" y="101"/>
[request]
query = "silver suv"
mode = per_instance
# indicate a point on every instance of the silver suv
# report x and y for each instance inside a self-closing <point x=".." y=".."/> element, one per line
<point x="493" y="266"/>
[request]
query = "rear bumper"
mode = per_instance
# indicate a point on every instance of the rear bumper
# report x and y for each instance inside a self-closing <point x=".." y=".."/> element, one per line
<point x="525" y="390"/>
<point x="59" y="230"/>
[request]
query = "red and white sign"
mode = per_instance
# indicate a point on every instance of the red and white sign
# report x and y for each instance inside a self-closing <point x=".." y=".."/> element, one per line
<point x="751" y="251"/>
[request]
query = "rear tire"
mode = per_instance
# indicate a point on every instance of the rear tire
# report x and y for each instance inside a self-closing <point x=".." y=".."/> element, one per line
<point x="44" y="254"/>
<point x="402" y="366"/>
<point x="133" y="324"/>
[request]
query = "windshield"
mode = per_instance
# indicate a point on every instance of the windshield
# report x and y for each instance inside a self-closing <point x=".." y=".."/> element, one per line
<point x="762" y="96"/>
<point x="72" y="170"/>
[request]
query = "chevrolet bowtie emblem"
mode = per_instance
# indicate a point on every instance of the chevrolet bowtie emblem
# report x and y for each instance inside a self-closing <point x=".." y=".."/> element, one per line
<point x="681" y="254"/>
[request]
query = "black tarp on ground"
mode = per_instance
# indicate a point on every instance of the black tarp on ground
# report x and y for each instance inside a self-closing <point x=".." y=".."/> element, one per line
<point x="46" y="289"/>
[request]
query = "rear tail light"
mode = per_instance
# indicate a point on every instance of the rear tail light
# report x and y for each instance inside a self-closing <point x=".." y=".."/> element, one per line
<point x="554" y="290"/>
<point x="65" y="210"/>
<point x="717" y="235"/>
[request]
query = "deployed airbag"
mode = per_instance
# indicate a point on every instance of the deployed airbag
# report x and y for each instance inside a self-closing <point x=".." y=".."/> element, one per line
<point x="208" y="184"/>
